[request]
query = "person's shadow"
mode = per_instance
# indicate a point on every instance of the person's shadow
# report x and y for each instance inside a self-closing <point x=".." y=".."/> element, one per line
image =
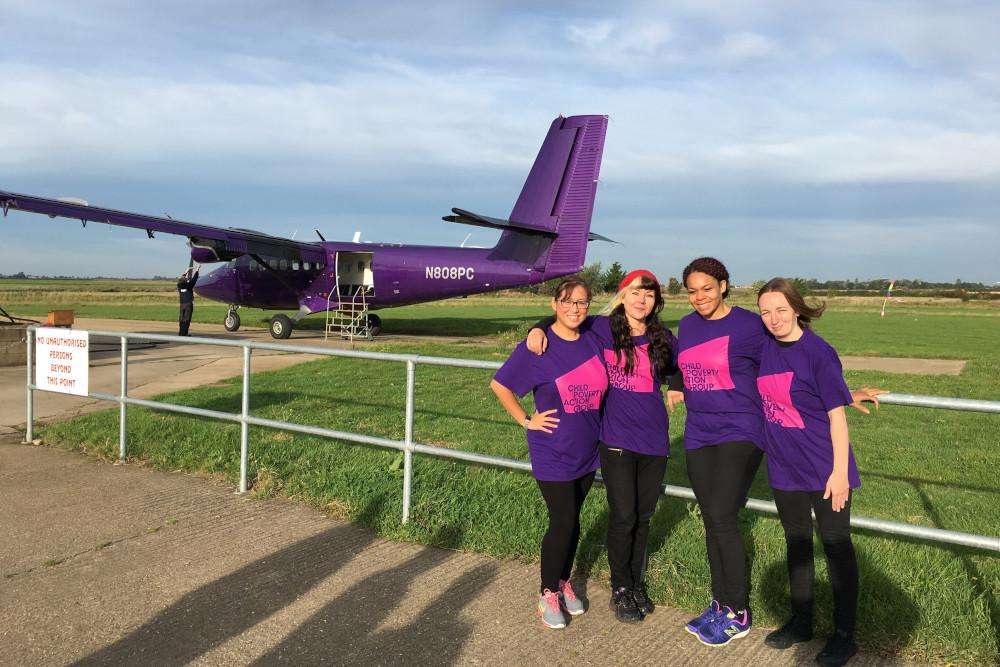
<point x="347" y="630"/>
<point x="222" y="609"/>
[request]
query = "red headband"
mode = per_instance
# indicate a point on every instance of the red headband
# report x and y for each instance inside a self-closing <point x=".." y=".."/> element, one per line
<point x="638" y="273"/>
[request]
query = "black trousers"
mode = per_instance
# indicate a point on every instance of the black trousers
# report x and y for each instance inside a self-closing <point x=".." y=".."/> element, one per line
<point x="187" y="310"/>
<point x="835" y="533"/>
<point x="563" y="500"/>
<point x="632" y="481"/>
<point x="721" y="476"/>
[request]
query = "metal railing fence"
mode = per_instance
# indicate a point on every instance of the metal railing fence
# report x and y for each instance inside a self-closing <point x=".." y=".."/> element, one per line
<point x="409" y="447"/>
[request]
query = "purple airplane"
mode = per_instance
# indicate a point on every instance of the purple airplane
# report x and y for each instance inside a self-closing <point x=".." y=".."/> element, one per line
<point x="545" y="237"/>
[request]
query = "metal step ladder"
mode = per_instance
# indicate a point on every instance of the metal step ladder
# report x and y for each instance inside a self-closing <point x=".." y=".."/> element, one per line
<point x="347" y="316"/>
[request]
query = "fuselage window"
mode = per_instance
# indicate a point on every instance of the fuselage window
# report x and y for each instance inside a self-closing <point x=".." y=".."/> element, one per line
<point x="283" y="265"/>
<point x="273" y="263"/>
<point x="295" y="266"/>
<point x="305" y="266"/>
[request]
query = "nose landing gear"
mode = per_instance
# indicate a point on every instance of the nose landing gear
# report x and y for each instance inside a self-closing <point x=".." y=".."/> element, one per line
<point x="232" y="321"/>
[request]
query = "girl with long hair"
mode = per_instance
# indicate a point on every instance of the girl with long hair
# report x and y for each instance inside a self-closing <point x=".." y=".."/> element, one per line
<point x="634" y="443"/>
<point x="810" y="463"/>
<point x="568" y="384"/>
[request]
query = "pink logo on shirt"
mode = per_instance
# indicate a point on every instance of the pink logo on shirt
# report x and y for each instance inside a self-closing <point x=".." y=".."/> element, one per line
<point x="641" y="377"/>
<point x="776" y="396"/>
<point x="582" y="388"/>
<point x="706" y="366"/>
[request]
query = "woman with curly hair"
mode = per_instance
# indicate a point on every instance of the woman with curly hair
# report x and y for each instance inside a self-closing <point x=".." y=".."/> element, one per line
<point x="639" y="353"/>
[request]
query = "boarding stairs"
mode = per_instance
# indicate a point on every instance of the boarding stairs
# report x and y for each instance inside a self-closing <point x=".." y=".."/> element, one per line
<point x="347" y="312"/>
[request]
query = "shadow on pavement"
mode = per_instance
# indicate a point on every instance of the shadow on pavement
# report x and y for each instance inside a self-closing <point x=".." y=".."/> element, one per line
<point x="347" y="630"/>
<point x="209" y="616"/>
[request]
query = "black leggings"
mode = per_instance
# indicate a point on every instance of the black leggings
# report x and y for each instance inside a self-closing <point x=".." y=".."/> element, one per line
<point x="564" y="500"/>
<point x="835" y="532"/>
<point x="721" y="476"/>
<point x="633" y="482"/>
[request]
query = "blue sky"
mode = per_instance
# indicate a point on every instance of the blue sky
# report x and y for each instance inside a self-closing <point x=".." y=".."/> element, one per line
<point x="829" y="140"/>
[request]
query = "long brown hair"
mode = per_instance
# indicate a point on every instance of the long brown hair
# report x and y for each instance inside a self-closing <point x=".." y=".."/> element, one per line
<point x="806" y="313"/>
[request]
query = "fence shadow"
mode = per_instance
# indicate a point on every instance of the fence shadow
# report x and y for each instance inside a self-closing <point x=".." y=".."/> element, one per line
<point x="222" y="609"/>
<point x="346" y="630"/>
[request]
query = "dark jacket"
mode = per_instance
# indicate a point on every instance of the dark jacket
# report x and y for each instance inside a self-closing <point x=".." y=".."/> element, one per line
<point x="185" y="288"/>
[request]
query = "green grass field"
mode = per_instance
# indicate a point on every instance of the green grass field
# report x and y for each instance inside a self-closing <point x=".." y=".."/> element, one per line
<point x="933" y="468"/>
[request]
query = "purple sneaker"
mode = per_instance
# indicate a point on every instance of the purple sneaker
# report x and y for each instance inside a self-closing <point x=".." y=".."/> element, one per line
<point x="726" y="627"/>
<point x="707" y="616"/>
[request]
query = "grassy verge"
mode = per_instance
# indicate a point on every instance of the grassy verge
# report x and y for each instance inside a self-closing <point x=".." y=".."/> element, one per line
<point x="932" y="468"/>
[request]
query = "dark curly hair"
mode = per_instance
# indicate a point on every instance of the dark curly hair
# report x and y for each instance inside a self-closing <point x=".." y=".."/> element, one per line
<point x="661" y="341"/>
<point x="710" y="266"/>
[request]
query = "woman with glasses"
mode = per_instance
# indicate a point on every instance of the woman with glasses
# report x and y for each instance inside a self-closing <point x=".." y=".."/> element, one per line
<point x="634" y="445"/>
<point x="568" y="383"/>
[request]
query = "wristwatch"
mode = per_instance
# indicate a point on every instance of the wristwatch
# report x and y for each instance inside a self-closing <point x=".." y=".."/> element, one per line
<point x="527" y="421"/>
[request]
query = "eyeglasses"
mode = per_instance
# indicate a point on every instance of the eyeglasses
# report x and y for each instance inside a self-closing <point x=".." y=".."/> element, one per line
<point x="581" y="304"/>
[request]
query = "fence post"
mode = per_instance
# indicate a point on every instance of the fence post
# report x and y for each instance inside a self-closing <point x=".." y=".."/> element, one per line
<point x="121" y="400"/>
<point x="244" y="425"/>
<point x="408" y="441"/>
<point x="29" y="428"/>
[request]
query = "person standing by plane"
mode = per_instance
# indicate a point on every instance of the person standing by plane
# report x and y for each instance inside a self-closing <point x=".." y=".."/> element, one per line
<point x="568" y="383"/>
<point x="185" y="290"/>
<point x="810" y="464"/>
<point x="640" y="354"/>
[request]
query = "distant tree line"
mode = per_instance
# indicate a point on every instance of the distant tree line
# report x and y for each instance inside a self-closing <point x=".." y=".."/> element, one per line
<point x="606" y="281"/>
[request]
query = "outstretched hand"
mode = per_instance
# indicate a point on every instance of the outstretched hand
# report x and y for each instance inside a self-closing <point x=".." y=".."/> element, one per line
<point x="674" y="398"/>
<point x="543" y="421"/>
<point x="866" y="394"/>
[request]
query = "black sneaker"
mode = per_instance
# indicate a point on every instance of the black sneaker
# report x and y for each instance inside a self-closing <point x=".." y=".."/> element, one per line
<point x="623" y="604"/>
<point x="838" y="650"/>
<point x="642" y="601"/>
<point x="792" y="632"/>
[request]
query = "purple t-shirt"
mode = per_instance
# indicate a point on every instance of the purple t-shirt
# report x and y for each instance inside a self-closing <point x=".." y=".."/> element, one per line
<point x="719" y="361"/>
<point x="635" y="417"/>
<point x="571" y="378"/>
<point x="799" y="384"/>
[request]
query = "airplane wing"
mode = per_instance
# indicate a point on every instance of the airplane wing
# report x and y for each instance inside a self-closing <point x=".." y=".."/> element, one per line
<point x="226" y="243"/>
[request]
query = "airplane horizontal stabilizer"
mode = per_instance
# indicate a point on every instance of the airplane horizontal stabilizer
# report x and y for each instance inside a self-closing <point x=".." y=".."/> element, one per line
<point x="469" y="218"/>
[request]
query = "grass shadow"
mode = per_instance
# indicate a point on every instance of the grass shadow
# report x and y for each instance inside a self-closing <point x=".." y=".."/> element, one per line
<point x="886" y="614"/>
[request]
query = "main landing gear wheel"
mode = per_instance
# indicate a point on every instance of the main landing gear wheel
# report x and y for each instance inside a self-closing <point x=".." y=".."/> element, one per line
<point x="232" y="321"/>
<point x="375" y="324"/>
<point x="281" y="326"/>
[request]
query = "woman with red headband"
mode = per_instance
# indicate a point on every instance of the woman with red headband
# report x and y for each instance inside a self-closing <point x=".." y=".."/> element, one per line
<point x="639" y="354"/>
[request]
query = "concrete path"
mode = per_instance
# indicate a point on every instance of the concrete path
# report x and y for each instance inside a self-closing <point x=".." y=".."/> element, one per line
<point x="106" y="564"/>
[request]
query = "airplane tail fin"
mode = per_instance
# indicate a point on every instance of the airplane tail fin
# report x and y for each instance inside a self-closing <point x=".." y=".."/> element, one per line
<point x="558" y="198"/>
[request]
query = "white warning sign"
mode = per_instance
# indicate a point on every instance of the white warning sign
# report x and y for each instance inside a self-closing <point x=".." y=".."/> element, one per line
<point x="62" y="361"/>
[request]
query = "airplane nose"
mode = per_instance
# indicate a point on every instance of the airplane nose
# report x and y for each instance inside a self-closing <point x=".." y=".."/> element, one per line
<point x="219" y="285"/>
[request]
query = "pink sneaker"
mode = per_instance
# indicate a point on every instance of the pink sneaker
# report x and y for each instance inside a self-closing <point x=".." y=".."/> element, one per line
<point x="549" y="611"/>
<point x="570" y="602"/>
